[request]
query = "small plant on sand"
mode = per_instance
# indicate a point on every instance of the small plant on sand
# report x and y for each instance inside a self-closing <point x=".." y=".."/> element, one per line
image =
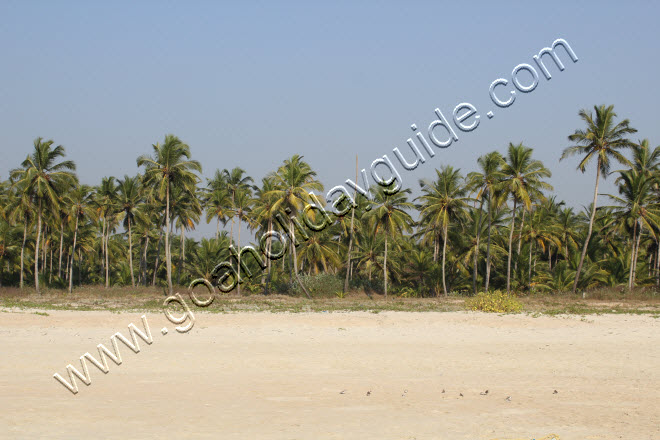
<point x="494" y="302"/>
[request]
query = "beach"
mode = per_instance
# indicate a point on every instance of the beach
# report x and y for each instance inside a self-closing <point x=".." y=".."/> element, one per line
<point x="359" y="375"/>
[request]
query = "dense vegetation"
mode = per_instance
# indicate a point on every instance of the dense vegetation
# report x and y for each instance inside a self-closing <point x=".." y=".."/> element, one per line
<point x="495" y="228"/>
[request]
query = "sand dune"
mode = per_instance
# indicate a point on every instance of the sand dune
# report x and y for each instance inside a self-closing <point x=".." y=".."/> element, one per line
<point x="307" y="376"/>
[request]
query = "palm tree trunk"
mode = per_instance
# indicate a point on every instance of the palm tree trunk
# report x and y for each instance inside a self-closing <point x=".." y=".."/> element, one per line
<point x="295" y="259"/>
<point x="59" y="267"/>
<point x="385" y="267"/>
<point x="268" y="260"/>
<point x="217" y="228"/>
<point x="182" y="256"/>
<point x="23" y="251"/>
<point x="107" y="257"/>
<point x="639" y="238"/>
<point x="130" y="251"/>
<point x="508" y="266"/>
<point x="657" y="265"/>
<point x="238" y="285"/>
<point x="529" y="277"/>
<point x="522" y="225"/>
<point x="168" y="261"/>
<point x="631" y="269"/>
<point x="348" y="256"/>
<point x="103" y="247"/>
<point x="591" y="226"/>
<point x="490" y="221"/>
<point x="36" y="249"/>
<point x="476" y="250"/>
<point x="73" y="252"/>
<point x="444" y="258"/>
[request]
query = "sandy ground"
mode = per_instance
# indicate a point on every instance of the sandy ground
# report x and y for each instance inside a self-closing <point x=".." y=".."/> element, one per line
<point x="307" y="376"/>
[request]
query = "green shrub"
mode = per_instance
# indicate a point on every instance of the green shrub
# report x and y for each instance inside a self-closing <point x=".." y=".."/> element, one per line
<point x="495" y="302"/>
<point x="321" y="285"/>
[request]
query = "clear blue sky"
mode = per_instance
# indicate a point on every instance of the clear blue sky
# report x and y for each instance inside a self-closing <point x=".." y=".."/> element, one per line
<point x="249" y="84"/>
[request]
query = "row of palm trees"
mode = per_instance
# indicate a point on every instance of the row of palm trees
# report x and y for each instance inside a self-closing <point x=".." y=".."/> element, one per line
<point x="496" y="227"/>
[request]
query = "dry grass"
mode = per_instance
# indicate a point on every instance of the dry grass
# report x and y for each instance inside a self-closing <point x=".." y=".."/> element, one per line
<point x="119" y="299"/>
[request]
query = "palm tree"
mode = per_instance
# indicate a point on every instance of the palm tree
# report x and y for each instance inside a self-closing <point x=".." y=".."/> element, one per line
<point x="169" y="165"/>
<point x="638" y="210"/>
<point x="242" y="207"/>
<point x="42" y="178"/>
<point x="234" y="181"/>
<point x="80" y="201"/>
<point x="106" y="199"/>
<point x="444" y="201"/>
<point x="293" y="182"/>
<point x="20" y="209"/>
<point x="521" y="178"/>
<point x="129" y="198"/>
<point x="186" y="209"/>
<point x="603" y="139"/>
<point x="388" y="216"/>
<point x="484" y="183"/>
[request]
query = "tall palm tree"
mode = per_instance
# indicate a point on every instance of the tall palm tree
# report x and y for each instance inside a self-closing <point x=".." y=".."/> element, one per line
<point x="234" y="180"/>
<point x="129" y="198"/>
<point x="80" y="201"/>
<point x="42" y="178"/>
<point x="106" y="200"/>
<point x="638" y="210"/>
<point x="443" y="202"/>
<point x="484" y="182"/>
<point x="170" y="165"/>
<point x="522" y="179"/>
<point x="602" y="139"/>
<point x="20" y="209"/>
<point x="293" y="181"/>
<point x="388" y="216"/>
<point x="242" y="207"/>
<point x="186" y="209"/>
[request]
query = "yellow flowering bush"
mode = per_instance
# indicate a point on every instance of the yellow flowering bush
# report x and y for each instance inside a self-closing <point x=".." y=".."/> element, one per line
<point x="495" y="302"/>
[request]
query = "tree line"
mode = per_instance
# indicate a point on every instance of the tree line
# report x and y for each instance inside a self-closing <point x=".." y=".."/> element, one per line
<point x="498" y="227"/>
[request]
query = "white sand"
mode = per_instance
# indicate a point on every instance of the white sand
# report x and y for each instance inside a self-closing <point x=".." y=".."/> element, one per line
<point x="280" y="376"/>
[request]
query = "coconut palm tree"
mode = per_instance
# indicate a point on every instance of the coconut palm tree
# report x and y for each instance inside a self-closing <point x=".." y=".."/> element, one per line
<point x="484" y="182"/>
<point x="522" y="180"/>
<point x="170" y="165"/>
<point x="80" y="202"/>
<point x="293" y="182"/>
<point x="233" y="180"/>
<point x="129" y="199"/>
<point x="21" y="209"/>
<point x="638" y="210"/>
<point x="42" y="178"/>
<point x="388" y="216"/>
<point x="601" y="139"/>
<point x="444" y="201"/>
<point x="106" y="200"/>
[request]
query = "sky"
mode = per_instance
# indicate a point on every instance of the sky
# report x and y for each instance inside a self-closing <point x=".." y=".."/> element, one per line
<point x="249" y="84"/>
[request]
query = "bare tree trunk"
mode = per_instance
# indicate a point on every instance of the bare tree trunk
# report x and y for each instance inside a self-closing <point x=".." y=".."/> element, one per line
<point x="508" y="266"/>
<point x="107" y="256"/>
<point x="522" y="225"/>
<point x="639" y="237"/>
<point x="59" y="267"/>
<point x="591" y="226"/>
<point x="476" y="250"/>
<point x="350" y="240"/>
<point x="490" y="221"/>
<point x="73" y="252"/>
<point x="531" y="246"/>
<point x="23" y="251"/>
<point x="385" y="267"/>
<point x="631" y="269"/>
<point x="168" y="260"/>
<point x="444" y="258"/>
<point x="182" y="256"/>
<point x="295" y="263"/>
<point x="130" y="251"/>
<point x="36" y="249"/>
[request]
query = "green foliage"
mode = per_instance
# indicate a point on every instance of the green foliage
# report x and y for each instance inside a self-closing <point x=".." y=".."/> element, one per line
<point x="494" y="302"/>
<point x="321" y="285"/>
